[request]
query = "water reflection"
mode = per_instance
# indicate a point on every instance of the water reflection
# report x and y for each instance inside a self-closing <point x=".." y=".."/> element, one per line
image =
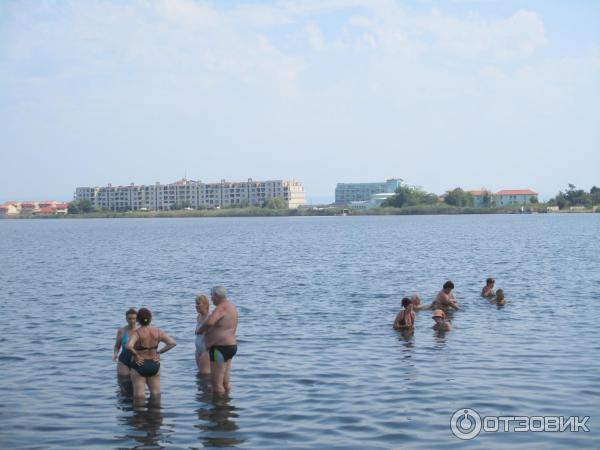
<point x="439" y="338"/>
<point x="407" y="335"/>
<point x="147" y="420"/>
<point x="143" y="417"/>
<point x="216" y="416"/>
<point x="125" y="393"/>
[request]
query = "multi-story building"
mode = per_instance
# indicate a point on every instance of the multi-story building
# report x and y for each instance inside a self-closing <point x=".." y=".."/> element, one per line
<point x="192" y="194"/>
<point x="515" y="197"/>
<point x="503" y="197"/>
<point x="357" y="192"/>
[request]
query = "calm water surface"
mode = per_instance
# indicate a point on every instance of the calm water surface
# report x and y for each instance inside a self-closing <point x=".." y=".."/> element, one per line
<point x="318" y="364"/>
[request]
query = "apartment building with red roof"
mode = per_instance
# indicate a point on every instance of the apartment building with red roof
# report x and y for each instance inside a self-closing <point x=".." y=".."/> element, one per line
<point x="515" y="197"/>
<point x="504" y="197"/>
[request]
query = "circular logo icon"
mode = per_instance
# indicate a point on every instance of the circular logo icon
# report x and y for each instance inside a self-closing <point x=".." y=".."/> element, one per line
<point x="465" y="423"/>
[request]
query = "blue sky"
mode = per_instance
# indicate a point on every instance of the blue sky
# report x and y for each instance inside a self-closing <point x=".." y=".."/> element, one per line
<point x="495" y="94"/>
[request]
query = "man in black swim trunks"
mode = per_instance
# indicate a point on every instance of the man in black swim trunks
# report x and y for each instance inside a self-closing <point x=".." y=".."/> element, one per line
<point x="219" y="338"/>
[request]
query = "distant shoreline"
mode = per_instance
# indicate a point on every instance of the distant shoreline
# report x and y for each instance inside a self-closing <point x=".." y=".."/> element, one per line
<point x="263" y="212"/>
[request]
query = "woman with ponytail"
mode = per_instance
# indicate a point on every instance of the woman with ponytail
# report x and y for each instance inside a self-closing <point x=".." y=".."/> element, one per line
<point x="143" y="345"/>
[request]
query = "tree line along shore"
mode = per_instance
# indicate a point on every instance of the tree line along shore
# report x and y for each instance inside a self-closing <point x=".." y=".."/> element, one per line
<point x="407" y="200"/>
<point x="437" y="209"/>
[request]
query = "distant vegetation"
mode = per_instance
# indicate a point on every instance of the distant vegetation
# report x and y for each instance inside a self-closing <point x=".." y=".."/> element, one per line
<point x="576" y="197"/>
<point x="275" y="203"/>
<point x="458" y="197"/>
<point x="410" y="196"/>
<point x="80" y="206"/>
<point x="251" y="211"/>
<point x="407" y="200"/>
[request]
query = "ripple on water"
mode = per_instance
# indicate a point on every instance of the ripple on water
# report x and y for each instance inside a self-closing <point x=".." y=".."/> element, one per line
<point x="318" y="364"/>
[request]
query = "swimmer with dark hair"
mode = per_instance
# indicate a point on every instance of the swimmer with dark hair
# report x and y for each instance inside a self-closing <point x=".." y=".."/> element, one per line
<point x="488" y="289"/>
<point x="499" y="299"/>
<point x="124" y="357"/>
<point x="406" y="317"/>
<point x="143" y="344"/>
<point x="445" y="298"/>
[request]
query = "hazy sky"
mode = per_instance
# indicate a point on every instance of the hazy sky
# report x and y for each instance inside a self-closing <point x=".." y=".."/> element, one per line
<point x="496" y="94"/>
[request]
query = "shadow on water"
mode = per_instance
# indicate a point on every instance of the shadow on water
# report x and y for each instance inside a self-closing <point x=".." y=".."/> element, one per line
<point x="144" y="418"/>
<point x="125" y="393"/>
<point x="216" y="416"/>
<point x="407" y="336"/>
<point x="440" y="338"/>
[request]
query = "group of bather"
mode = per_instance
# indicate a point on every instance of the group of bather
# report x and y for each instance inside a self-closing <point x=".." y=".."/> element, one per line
<point x="138" y="356"/>
<point x="443" y="303"/>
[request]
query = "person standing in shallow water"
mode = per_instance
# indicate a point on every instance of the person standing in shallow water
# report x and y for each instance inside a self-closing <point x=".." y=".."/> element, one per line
<point x="406" y="317"/>
<point x="416" y="303"/>
<point x="219" y="338"/>
<point x="441" y="324"/>
<point x="445" y="298"/>
<point x="499" y="300"/>
<point x="124" y="358"/>
<point x="488" y="289"/>
<point x="143" y="344"/>
<point x="202" y="359"/>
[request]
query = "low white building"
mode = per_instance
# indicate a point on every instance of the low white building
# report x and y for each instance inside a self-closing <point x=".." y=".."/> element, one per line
<point x="375" y="201"/>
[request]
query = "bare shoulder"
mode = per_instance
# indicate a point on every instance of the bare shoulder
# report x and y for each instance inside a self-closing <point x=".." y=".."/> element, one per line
<point x="229" y="307"/>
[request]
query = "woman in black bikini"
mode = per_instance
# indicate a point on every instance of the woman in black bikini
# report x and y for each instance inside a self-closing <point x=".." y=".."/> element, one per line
<point x="143" y="345"/>
<point x="406" y="318"/>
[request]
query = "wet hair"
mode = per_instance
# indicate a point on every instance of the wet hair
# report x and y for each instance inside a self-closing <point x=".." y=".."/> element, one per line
<point x="219" y="291"/>
<point x="144" y="316"/>
<point x="130" y="311"/>
<point x="202" y="299"/>
<point x="499" y="292"/>
<point x="448" y="285"/>
<point x="489" y="281"/>
<point x="406" y="301"/>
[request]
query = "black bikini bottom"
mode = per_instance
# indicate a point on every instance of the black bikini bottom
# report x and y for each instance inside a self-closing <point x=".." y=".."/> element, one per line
<point x="148" y="369"/>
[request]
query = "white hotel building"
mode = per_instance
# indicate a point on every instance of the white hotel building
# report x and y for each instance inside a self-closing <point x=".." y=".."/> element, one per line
<point x="196" y="194"/>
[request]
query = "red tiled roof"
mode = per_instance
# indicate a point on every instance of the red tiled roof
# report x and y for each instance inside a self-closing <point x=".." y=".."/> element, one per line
<point x="475" y="192"/>
<point x="27" y="204"/>
<point x="62" y="206"/>
<point x="516" y="192"/>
